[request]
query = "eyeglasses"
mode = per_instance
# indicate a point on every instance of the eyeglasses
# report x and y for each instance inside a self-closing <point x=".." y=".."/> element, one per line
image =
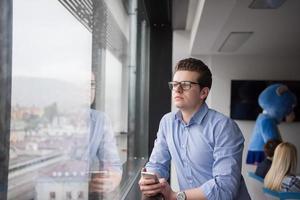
<point x="184" y="85"/>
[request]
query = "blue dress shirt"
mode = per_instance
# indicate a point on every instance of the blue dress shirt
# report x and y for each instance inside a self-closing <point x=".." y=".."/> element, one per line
<point x="103" y="151"/>
<point x="207" y="153"/>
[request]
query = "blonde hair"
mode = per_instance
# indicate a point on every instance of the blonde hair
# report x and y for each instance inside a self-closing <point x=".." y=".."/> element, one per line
<point x="284" y="163"/>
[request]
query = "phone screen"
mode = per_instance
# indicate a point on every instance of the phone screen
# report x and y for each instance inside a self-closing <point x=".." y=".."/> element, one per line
<point x="98" y="173"/>
<point x="150" y="175"/>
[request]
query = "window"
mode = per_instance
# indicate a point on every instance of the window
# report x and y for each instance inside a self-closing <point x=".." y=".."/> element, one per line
<point x="50" y="96"/>
<point x="58" y="46"/>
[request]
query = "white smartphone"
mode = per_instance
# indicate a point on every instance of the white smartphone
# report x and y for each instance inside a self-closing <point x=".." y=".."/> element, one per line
<point x="150" y="175"/>
<point x="99" y="173"/>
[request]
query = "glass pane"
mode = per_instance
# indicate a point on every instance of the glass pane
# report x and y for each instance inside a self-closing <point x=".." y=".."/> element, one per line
<point x="50" y="103"/>
<point x="115" y="105"/>
<point x="69" y="108"/>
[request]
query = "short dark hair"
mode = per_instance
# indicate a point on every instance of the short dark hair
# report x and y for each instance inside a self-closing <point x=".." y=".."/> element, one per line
<point x="195" y="65"/>
<point x="270" y="147"/>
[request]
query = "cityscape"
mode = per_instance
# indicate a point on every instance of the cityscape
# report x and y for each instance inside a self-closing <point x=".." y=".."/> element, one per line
<point x="46" y="148"/>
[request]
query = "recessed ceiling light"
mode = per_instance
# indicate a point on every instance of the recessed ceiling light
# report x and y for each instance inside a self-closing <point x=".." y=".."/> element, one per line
<point x="266" y="4"/>
<point x="234" y="41"/>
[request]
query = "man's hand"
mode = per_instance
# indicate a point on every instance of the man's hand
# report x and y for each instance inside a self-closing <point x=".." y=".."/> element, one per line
<point x="166" y="190"/>
<point x="104" y="183"/>
<point x="150" y="188"/>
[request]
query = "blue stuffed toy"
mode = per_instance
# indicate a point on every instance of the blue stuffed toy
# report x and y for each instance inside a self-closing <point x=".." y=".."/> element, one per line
<point x="277" y="102"/>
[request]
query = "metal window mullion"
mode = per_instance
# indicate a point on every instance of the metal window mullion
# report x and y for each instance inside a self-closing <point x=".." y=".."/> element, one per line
<point x="5" y="91"/>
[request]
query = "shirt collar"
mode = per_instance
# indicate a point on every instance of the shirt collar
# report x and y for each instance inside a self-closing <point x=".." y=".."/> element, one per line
<point x="197" y="117"/>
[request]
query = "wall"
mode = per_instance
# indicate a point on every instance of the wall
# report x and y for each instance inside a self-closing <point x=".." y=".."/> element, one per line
<point x="226" y="68"/>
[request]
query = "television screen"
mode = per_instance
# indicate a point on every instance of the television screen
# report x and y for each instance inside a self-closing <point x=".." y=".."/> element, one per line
<point x="244" y="98"/>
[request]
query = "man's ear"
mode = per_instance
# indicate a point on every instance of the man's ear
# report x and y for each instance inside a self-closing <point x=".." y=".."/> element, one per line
<point x="204" y="93"/>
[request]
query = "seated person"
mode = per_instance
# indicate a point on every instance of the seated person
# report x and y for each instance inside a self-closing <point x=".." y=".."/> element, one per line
<point x="281" y="176"/>
<point x="269" y="148"/>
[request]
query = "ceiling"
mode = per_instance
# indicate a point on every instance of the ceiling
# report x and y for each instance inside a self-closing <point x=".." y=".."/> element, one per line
<point x="272" y="31"/>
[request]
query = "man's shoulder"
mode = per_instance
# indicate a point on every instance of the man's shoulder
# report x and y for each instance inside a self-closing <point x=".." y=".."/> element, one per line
<point x="170" y="116"/>
<point x="223" y="128"/>
<point x="219" y="120"/>
<point x="217" y="116"/>
<point x="98" y="115"/>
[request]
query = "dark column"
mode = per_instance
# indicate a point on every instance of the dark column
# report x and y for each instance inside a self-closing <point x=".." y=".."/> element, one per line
<point x="160" y="74"/>
<point x="160" y="20"/>
<point x="5" y="90"/>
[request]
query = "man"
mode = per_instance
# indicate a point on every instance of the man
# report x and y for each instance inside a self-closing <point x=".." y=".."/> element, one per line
<point x="205" y="145"/>
<point x="104" y="162"/>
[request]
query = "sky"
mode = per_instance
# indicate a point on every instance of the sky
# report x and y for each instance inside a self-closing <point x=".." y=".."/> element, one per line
<point x="48" y="42"/>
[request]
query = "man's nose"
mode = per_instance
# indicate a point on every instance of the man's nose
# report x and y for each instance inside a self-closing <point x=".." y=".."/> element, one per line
<point x="178" y="89"/>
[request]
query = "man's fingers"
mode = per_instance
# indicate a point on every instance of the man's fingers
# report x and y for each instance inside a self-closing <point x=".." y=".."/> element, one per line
<point x="162" y="180"/>
<point x="98" y="189"/>
<point x="145" y="181"/>
<point x="150" y="187"/>
<point x="101" y="186"/>
<point x="151" y="192"/>
<point x="104" y="188"/>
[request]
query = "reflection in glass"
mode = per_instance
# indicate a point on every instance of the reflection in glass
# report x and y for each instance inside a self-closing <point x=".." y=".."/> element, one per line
<point x="60" y="148"/>
<point x="50" y="102"/>
<point x="104" y="161"/>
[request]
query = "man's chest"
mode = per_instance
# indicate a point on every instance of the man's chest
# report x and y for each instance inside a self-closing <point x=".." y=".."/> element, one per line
<point x="192" y="144"/>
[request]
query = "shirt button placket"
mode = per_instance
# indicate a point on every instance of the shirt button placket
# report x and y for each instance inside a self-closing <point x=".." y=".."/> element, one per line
<point x="187" y="162"/>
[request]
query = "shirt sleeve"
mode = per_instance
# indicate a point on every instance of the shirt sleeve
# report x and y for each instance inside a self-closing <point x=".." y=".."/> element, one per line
<point x="293" y="184"/>
<point x="228" y="149"/>
<point x="159" y="161"/>
<point x="107" y="151"/>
